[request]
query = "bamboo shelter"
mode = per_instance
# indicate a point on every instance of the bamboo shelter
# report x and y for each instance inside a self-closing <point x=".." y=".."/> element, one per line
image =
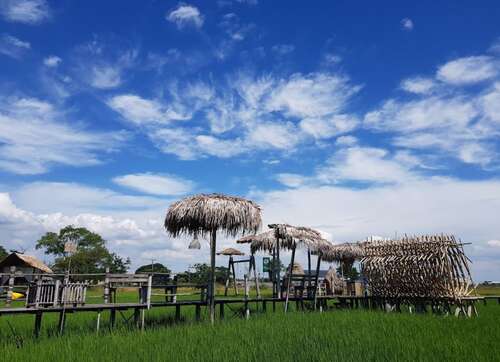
<point x="205" y="214"/>
<point x="431" y="266"/>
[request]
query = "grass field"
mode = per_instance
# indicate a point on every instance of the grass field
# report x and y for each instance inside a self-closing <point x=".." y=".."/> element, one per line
<point x="334" y="335"/>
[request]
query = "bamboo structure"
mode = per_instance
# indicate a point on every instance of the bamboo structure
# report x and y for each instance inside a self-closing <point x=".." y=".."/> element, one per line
<point x="431" y="266"/>
<point x="206" y="214"/>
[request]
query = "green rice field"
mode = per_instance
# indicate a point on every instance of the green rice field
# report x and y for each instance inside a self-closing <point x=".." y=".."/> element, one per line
<point x="298" y="336"/>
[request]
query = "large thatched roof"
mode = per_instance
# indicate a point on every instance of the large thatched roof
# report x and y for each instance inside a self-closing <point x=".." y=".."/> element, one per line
<point x="342" y="252"/>
<point x="17" y="259"/>
<point x="230" y="251"/>
<point x="200" y="214"/>
<point x="297" y="269"/>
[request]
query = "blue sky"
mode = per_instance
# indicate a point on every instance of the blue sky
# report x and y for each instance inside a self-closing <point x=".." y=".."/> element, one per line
<point x="358" y="119"/>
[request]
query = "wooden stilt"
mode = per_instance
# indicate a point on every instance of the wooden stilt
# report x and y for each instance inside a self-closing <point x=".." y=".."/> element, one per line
<point x="112" y="318"/>
<point x="234" y="277"/>
<point x="290" y="273"/>
<point x="62" y="322"/>
<point x="177" y="312"/>
<point x="213" y="238"/>
<point x="316" y="281"/>
<point x="98" y="323"/>
<point x="198" y="312"/>
<point x="228" y="276"/>
<point x="137" y="313"/>
<point x="278" y="267"/>
<point x="143" y="317"/>
<point x="38" y="324"/>
<point x="221" y="310"/>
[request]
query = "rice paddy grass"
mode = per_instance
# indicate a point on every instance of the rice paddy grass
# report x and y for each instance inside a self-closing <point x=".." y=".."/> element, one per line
<point x="299" y="336"/>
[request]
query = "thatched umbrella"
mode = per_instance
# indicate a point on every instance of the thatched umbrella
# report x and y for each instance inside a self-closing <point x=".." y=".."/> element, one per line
<point x="230" y="252"/>
<point x="206" y="214"/>
<point x="293" y="236"/>
<point x="334" y="284"/>
<point x="345" y="254"/>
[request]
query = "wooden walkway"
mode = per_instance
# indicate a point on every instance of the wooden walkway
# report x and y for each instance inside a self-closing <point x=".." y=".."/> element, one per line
<point x="465" y="307"/>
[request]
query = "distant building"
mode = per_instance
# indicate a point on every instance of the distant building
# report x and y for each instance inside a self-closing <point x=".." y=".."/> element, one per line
<point x="25" y="264"/>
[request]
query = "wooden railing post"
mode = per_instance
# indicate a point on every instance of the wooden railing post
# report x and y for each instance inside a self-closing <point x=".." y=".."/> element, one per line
<point x="106" y="287"/>
<point x="10" y="290"/>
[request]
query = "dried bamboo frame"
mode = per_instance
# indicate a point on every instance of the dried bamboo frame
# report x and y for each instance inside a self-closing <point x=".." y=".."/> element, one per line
<point x="430" y="266"/>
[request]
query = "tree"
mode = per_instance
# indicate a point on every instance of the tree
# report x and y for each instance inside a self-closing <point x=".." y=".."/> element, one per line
<point x="156" y="268"/>
<point x="201" y="273"/>
<point x="91" y="254"/>
<point x="349" y="272"/>
<point x="3" y="252"/>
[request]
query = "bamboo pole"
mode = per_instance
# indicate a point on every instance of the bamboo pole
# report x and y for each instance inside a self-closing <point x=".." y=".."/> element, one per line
<point x="290" y="273"/>
<point x="213" y="240"/>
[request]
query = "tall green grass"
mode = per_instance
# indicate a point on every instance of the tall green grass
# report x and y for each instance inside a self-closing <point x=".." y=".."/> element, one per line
<point x="334" y="335"/>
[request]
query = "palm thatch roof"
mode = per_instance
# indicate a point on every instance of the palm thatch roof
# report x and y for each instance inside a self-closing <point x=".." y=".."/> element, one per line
<point x="17" y="259"/>
<point x="334" y="284"/>
<point x="230" y="251"/>
<point x="342" y="252"/>
<point x="300" y="236"/>
<point x="204" y="213"/>
<point x="263" y="241"/>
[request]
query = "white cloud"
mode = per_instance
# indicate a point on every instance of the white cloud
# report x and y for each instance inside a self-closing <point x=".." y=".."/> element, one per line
<point x="346" y="141"/>
<point x="186" y="15"/>
<point x="466" y="209"/>
<point x="291" y="179"/>
<point x="274" y="135"/>
<point x="12" y="46"/>
<point x="328" y="127"/>
<point x="468" y="70"/>
<point x="418" y="85"/>
<point x="155" y="184"/>
<point x="365" y="164"/>
<point x="33" y="138"/>
<point x="105" y="77"/>
<point x="494" y="243"/>
<point x="143" y="111"/>
<point x="407" y="24"/>
<point x="313" y="95"/>
<point x="52" y="61"/>
<point x="25" y="11"/>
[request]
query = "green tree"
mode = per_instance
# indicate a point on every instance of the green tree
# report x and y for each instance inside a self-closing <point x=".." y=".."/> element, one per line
<point x="3" y="252"/>
<point x="156" y="268"/>
<point x="349" y="272"/>
<point x="91" y="255"/>
<point x="201" y="272"/>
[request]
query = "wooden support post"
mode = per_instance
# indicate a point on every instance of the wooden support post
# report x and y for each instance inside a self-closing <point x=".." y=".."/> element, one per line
<point x="308" y="269"/>
<point x="98" y="323"/>
<point x="221" y="309"/>
<point x="264" y="306"/>
<point x="143" y="314"/>
<point x="177" y="312"/>
<point x="38" y="324"/>
<point x="247" y="289"/>
<point x="137" y="314"/>
<point x="234" y="277"/>
<point x="278" y="267"/>
<point x="106" y="287"/>
<point x="228" y="276"/>
<point x="316" y="280"/>
<point x="254" y="266"/>
<point x="197" y="312"/>
<point x="112" y="318"/>
<point x="213" y="238"/>
<point x="273" y="274"/>
<point x="62" y="322"/>
<point x="10" y="289"/>
<point x="290" y="273"/>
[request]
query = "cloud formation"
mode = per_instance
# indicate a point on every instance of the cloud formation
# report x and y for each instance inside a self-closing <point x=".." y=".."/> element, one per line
<point x="186" y="15"/>
<point x="30" y="12"/>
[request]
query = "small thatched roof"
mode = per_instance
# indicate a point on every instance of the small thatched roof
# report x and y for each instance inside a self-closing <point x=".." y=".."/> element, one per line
<point x="263" y="241"/>
<point x="17" y="259"/>
<point x="342" y="252"/>
<point x="297" y="269"/>
<point x="230" y="251"/>
<point x="201" y="214"/>
<point x="299" y="235"/>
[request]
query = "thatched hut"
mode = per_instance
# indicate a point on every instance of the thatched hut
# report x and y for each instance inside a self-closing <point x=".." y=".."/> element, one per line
<point x="334" y="284"/>
<point x="205" y="215"/>
<point x="25" y="264"/>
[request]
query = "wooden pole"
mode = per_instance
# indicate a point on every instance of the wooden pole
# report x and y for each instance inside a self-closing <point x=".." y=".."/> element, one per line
<point x="278" y="267"/>
<point x="10" y="290"/>
<point x="273" y="274"/>
<point x="228" y="276"/>
<point x="234" y="277"/>
<point x="308" y="268"/>
<point x="253" y="264"/>
<point x="316" y="281"/>
<point x="213" y="240"/>
<point x="38" y="323"/>
<point x="290" y="272"/>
